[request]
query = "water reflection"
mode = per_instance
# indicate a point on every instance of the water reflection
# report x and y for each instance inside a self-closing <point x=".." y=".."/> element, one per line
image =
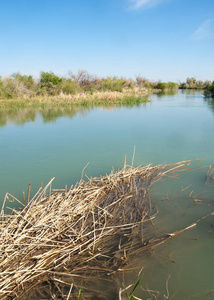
<point x="20" y="116"/>
<point x="17" y="116"/>
<point x="210" y="103"/>
<point x="168" y="93"/>
<point x="49" y="113"/>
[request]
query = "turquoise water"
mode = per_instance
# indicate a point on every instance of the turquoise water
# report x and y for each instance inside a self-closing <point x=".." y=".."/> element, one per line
<point x="36" y="145"/>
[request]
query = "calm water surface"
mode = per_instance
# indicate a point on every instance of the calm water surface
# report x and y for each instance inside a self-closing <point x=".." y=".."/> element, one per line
<point x="36" y="145"/>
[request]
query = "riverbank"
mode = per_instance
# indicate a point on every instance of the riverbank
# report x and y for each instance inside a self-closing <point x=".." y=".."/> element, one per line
<point x="127" y="96"/>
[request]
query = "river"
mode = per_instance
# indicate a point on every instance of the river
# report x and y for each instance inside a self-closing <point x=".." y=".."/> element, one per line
<point x="38" y="144"/>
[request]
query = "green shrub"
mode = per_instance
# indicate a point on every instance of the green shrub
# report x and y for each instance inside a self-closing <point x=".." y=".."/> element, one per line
<point x="49" y="77"/>
<point x="112" y="84"/>
<point x="209" y="91"/>
<point x="14" y="88"/>
<point x="172" y="85"/>
<point x="49" y="84"/>
<point x="27" y="81"/>
<point x="69" y="87"/>
<point x="183" y="85"/>
<point x="2" y="93"/>
<point x="192" y="83"/>
<point x="167" y="86"/>
<point x="161" y="86"/>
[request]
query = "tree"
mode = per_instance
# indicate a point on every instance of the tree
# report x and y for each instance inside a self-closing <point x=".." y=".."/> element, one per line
<point x="112" y="84"/>
<point x="191" y="82"/>
<point x="69" y="87"/>
<point x="142" y="81"/>
<point x="207" y="83"/>
<point x="82" y="78"/>
<point x="49" y="77"/>
<point x="183" y="85"/>
<point x="209" y="91"/>
<point x="49" y="83"/>
<point x="28" y="81"/>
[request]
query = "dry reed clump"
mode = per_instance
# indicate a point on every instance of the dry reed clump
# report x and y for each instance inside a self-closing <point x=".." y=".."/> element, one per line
<point x="66" y="238"/>
<point x="98" y="95"/>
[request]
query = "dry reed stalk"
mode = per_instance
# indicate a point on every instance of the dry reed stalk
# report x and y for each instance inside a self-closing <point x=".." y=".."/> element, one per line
<point x="210" y="177"/>
<point x="91" y="229"/>
<point x="97" y="95"/>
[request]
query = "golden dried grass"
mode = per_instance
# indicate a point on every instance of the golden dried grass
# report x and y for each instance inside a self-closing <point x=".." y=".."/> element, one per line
<point x="95" y="226"/>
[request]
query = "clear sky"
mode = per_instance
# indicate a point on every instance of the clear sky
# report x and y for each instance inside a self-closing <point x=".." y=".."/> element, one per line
<point x="159" y="39"/>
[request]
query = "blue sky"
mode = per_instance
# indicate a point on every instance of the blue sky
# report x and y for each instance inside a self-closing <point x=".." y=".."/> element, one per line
<point x="159" y="39"/>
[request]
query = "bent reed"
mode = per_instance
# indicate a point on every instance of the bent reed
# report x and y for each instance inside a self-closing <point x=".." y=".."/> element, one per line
<point x="60" y="241"/>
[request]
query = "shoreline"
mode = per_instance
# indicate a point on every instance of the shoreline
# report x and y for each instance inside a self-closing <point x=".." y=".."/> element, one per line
<point x="128" y="96"/>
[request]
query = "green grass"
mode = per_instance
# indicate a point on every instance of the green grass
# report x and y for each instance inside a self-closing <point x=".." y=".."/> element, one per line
<point x="79" y="296"/>
<point x="62" y="102"/>
<point x="131" y="295"/>
<point x="125" y="100"/>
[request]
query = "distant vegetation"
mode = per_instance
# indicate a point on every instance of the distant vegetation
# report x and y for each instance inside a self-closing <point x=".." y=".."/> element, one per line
<point x="164" y="86"/>
<point x="209" y="91"/>
<point x="192" y="83"/>
<point x="82" y="86"/>
<point x="156" y="85"/>
<point x="18" y="86"/>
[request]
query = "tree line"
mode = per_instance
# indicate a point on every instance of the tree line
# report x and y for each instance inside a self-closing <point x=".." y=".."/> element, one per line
<point x="50" y="84"/>
<point x="192" y="83"/>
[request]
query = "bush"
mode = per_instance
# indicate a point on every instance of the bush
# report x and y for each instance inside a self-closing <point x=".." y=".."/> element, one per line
<point x="2" y="94"/>
<point x="167" y="86"/>
<point x="183" y="85"/>
<point x="27" y="81"/>
<point x="142" y="81"/>
<point x="82" y="79"/>
<point x="209" y="91"/>
<point x="49" y="77"/>
<point x="129" y="83"/>
<point x="16" y="85"/>
<point x="112" y="84"/>
<point x="49" y="83"/>
<point x="14" y="88"/>
<point x="161" y="86"/>
<point x="192" y="83"/>
<point x="69" y="87"/>
<point x="172" y="85"/>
